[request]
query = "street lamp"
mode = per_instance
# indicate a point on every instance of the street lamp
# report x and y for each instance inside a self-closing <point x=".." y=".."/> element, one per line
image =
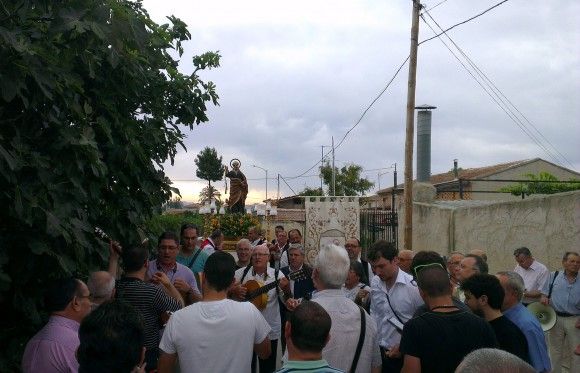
<point x="263" y="169"/>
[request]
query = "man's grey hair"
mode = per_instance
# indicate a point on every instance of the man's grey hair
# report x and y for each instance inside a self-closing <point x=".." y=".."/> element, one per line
<point x="244" y="240"/>
<point x="101" y="285"/>
<point x="479" y="361"/>
<point x="515" y="282"/>
<point x="296" y="246"/>
<point x="332" y="265"/>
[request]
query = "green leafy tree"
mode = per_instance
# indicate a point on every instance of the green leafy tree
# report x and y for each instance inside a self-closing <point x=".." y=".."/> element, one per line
<point x="542" y="183"/>
<point x="311" y="192"/>
<point x="174" y="203"/>
<point x="91" y="106"/>
<point x="209" y="165"/>
<point x="209" y="192"/>
<point x="348" y="180"/>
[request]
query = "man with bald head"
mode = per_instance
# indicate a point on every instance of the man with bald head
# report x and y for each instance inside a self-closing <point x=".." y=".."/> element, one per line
<point x="405" y="260"/>
<point x="53" y="348"/>
<point x="102" y="287"/>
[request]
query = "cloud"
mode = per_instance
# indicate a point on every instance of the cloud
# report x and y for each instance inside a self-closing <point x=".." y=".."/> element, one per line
<point x="295" y="74"/>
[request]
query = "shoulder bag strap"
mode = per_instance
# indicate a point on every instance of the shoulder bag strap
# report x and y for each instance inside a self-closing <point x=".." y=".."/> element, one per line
<point x="392" y="309"/>
<point x="361" y="338"/>
<point x="246" y="270"/>
<point x="194" y="258"/>
<point x="552" y="284"/>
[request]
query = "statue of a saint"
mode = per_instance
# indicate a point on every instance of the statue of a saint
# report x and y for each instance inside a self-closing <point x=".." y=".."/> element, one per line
<point x="238" y="188"/>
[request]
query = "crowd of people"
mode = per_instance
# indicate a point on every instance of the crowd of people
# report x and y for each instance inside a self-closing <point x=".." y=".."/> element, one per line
<point x="196" y="308"/>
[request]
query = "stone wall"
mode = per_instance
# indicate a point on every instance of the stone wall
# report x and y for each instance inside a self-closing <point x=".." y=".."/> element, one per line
<point x="547" y="225"/>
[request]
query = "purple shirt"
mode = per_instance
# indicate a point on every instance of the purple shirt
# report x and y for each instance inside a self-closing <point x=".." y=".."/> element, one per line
<point x="179" y="271"/>
<point x="53" y="348"/>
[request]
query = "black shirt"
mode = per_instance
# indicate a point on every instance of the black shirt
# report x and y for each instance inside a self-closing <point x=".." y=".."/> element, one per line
<point x="510" y="338"/>
<point x="441" y="340"/>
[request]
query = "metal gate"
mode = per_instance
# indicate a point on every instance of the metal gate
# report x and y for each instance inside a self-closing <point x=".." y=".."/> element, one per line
<point x="377" y="225"/>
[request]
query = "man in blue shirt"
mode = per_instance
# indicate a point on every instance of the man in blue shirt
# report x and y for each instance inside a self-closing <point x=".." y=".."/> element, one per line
<point x="512" y="308"/>
<point x="562" y="292"/>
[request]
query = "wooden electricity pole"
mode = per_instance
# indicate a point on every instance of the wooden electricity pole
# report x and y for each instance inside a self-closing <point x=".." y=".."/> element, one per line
<point x="410" y="130"/>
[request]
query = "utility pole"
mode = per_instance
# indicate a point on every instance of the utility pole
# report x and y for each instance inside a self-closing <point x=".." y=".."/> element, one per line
<point x="333" y="170"/>
<point x="410" y="127"/>
<point x="278" y="195"/>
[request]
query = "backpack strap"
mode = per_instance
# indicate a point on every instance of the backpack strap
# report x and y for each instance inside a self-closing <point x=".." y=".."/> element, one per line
<point x="246" y="270"/>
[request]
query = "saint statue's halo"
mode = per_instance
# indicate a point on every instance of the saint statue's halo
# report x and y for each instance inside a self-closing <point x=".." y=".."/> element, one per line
<point x="234" y="161"/>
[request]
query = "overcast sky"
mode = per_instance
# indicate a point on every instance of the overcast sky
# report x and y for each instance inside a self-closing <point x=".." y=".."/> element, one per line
<point x="294" y="74"/>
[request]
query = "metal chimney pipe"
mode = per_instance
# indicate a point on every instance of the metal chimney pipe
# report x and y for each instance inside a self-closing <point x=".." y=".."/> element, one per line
<point x="424" y="142"/>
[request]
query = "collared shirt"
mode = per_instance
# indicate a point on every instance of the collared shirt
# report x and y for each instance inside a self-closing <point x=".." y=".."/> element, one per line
<point x="530" y="326"/>
<point x="199" y="263"/>
<point x="293" y="281"/>
<point x="534" y="278"/>
<point x="179" y="271"/>
<point x="53" y="348"/>
<point x="565" y="295"/>
<point x="272" y="311"/>
<point x="405" y="299"/>
<point x="345" y="332"/>
<point x="312" y="366"/>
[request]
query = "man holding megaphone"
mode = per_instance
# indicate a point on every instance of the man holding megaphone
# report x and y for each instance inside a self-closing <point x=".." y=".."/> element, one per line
<point x="562" y="292"/>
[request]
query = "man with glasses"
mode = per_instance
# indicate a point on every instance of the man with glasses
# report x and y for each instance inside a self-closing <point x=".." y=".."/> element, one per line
<point x="244" y="252"/>
<point x="405" y="260"/>
<point x="354" y="249"/>
<point x="261" y="272"/>
<point x="534" y="273"/>
<point x="53" y="348"/>
<point x="179" y="275"/>
<point x="394" y="299"/>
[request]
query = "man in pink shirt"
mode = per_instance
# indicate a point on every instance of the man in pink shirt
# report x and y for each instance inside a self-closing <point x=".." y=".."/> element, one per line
<point x="53" y="348"/>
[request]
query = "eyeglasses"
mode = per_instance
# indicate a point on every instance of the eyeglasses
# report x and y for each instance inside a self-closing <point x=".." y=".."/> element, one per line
<point x="421" y="267"/>
<point x="260" y="254"/>
<point x="349" y="245"/>
<point x="167" y="247"/>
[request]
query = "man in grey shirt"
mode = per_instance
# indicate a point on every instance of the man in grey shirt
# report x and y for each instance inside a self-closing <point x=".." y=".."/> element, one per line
<point x="329" y="273"/>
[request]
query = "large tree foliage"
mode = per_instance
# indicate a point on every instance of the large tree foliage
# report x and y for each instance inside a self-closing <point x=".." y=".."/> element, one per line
<point x="209" y="165"/>
<point x="311" y="192"/>
<point x="348" y="180"/>
<point x="542" y="183"/>
<point x="91" y="106"/>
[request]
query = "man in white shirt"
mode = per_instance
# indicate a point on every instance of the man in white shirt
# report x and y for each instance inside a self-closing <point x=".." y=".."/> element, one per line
<point x="330" y="271"/>
<point x="534" y="273"/>
<point x="216" y="334"/>
<point x="213" y="242"/>
<point x="264" y="275"/>
<point x="394" y="299"/>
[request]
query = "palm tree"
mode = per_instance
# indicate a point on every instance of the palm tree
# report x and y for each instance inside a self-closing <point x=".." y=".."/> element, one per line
<point x="208" y="193"/>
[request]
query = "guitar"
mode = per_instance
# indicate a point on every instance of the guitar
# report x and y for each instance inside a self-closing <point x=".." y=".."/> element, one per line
<point x="257" y="292"/>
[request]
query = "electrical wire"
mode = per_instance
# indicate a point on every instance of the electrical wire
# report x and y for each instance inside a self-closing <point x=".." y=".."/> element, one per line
<point x="499" y="97"/>
<point x="463" y="22"/>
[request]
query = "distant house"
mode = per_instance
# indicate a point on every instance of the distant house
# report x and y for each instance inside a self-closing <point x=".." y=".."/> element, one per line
<point x="482" y="183"/>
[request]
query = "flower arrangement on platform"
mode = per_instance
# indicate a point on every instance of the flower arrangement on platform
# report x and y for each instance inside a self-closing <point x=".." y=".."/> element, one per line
<point x="233" y="226"/>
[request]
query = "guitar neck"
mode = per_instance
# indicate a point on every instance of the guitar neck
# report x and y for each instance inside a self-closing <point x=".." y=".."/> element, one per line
<point x="261" y="290"/>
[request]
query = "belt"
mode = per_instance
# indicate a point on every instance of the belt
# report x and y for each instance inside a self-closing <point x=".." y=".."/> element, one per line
<point x="564" y="314"/>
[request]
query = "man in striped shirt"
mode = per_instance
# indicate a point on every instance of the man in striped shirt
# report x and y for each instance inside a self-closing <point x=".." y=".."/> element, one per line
<point x="151" y="301"/>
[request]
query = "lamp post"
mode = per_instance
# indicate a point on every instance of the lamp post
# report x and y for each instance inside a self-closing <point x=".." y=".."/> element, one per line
<point x="263" y="169"/>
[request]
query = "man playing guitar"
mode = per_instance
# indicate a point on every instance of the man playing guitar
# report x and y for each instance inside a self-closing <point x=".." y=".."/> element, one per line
<point x="261" y="272"/>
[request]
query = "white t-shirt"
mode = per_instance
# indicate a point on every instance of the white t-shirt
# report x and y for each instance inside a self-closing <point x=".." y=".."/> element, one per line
<point x="272" y="311"/>
<point x="216" y="336"/>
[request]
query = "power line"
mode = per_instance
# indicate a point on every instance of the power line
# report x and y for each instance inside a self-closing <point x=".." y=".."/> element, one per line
<point x="436" y="5"/>
<point x="358" y="121"/>
<point x="499" y="95"/>
<point x="463" y="22"/>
